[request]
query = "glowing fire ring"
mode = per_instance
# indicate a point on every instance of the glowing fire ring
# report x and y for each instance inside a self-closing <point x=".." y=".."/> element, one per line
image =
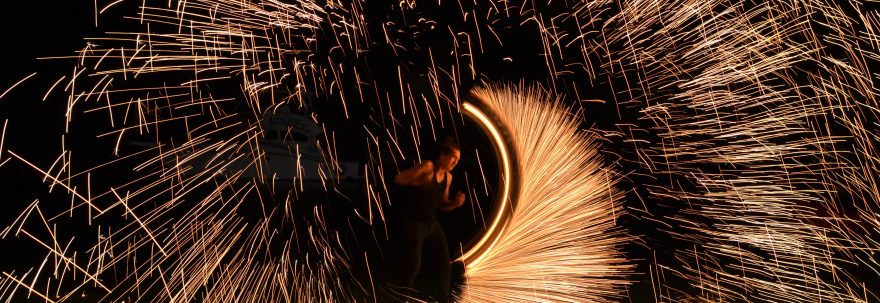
<point x="504" y="203"/>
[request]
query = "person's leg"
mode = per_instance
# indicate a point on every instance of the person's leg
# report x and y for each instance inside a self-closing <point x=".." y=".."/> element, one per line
<point x="408" y="257"/>
<point x="437" y="255"/>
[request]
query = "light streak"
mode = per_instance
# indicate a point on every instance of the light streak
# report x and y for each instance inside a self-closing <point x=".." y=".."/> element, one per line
<point x="3" y="138"/>
<point x="503" y="202"/>
<point x="16" y="84"/>
<point x="29" y="287"/>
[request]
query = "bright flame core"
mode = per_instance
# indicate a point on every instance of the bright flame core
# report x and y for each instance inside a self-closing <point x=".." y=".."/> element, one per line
<point x="475" y="253"/>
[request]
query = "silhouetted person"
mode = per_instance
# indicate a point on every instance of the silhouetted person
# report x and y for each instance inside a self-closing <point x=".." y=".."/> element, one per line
<point x="421" y="243"/>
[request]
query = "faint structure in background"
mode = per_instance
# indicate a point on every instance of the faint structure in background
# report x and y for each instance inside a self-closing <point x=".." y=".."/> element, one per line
<point x="739" y="137"/>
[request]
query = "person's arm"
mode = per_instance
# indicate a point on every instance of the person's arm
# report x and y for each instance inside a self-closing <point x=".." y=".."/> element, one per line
<point x="414" y="175"/>
<point x="456" y="202"/>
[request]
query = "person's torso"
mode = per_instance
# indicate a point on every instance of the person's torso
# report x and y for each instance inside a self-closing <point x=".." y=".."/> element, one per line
<point x="420" y="203"/>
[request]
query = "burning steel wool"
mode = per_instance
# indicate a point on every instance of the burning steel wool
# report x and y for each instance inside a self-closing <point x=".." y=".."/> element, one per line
<point x="613" y="151"/>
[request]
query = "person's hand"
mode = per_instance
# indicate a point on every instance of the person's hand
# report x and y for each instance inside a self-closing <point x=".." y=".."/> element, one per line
<point x="455" y="202"/>
<point x="459" y="199"/>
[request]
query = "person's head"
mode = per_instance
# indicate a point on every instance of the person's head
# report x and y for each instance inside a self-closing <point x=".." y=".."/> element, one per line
<point x="449" y="154"/>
